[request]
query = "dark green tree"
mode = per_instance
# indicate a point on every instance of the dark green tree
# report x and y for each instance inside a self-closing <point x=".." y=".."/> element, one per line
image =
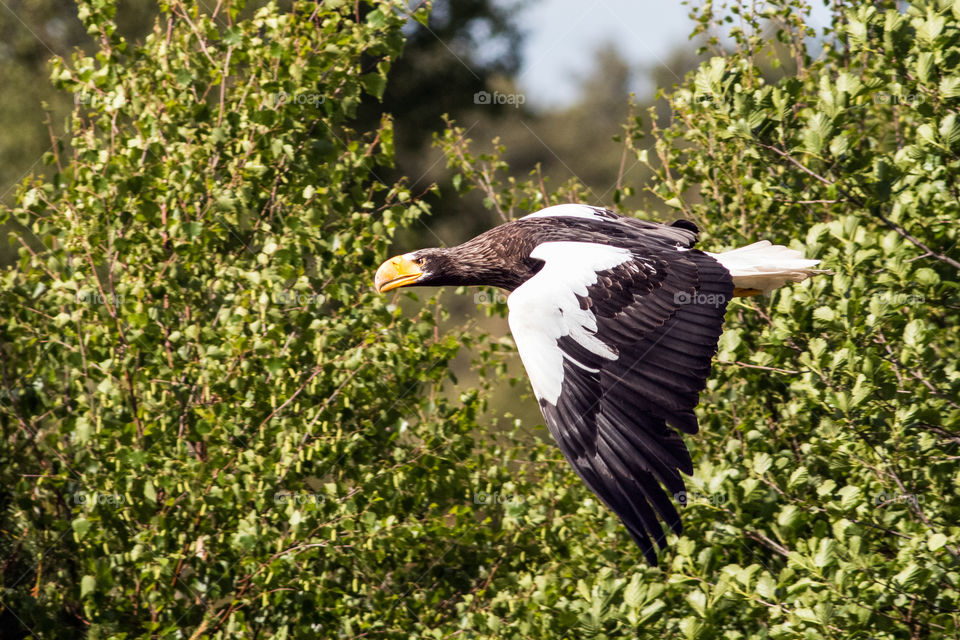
<point x="205" y="407"/>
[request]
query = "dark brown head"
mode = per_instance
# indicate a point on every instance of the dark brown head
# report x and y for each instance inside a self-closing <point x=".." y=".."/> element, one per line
<point x="419" y="268"/>
<point x="497" y="258"/>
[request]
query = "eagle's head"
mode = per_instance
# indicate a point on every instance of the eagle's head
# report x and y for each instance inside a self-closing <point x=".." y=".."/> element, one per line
<point x="497" y="258"/>
<point x="418" y="268"/>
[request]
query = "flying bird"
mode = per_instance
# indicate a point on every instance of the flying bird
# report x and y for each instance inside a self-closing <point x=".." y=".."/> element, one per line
<point x="616" y="320"/>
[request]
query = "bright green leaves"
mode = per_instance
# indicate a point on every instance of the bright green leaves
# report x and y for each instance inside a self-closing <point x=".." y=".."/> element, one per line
<point x="841" y="388"/>
<point x="762" y="463"/>
<point x="202" y="349"/>
<point x="937" y="541"/>
<point x="81" y="526"/>
<point x="817" y="133"/>
<point x="950" y="86"/>
<point x="87" y="585"/>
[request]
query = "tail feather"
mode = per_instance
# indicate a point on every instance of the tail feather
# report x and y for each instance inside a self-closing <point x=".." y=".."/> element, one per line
<point x="762" y="267"/>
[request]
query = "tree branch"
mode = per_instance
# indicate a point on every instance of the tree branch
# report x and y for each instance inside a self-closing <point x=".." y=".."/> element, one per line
<point x="893" y="225"/>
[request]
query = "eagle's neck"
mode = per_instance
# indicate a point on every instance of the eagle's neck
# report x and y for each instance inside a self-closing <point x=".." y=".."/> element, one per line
<point x="498" y="258"/>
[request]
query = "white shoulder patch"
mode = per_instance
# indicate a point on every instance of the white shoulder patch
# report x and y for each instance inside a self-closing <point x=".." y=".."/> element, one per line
<point x="571" y="211"/>
<point x="545" y="308"/>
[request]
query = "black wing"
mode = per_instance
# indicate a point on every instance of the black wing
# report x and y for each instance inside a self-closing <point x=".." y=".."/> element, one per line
<point x="635" y="353"/>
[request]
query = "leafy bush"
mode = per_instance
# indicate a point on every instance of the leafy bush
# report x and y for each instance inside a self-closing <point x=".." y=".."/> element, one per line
<point x="213" y="427"/>
<point x="204" y="401"/>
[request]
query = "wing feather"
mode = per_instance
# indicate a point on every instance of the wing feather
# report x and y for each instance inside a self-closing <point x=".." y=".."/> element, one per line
<point x="618" y="341"/>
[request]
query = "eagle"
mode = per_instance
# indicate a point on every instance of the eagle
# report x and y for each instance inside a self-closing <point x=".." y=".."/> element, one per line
<point x="616" y="320"/>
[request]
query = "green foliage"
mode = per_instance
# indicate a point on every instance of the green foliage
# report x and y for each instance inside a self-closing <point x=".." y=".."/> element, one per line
<point x="31" y="34"/>
<point x="206" y="409"/>
<point x="843" y="391"/>
<point x="212" y="427"/>
<point x="824" y="502"/>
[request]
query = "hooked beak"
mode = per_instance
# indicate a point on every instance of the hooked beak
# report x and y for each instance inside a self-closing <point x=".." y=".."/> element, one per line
<point x="398" y="271"/>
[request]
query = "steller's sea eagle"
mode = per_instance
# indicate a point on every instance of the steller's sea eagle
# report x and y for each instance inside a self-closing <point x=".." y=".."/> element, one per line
<point x="616" y="321"/>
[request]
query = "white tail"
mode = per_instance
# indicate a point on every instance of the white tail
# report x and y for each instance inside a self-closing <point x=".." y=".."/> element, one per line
<point x="762" y="267"/>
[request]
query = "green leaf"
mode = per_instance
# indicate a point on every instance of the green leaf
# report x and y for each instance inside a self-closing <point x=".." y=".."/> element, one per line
<point x="88" y="585"/>
<point x="149" y="492"/>
<point x="762" y="463"/>
<point x="825" y="553"/>
<point x="698" y="600"/>
<point x="633" y="594"/>
<point x="766" y="587"/>
<point x="798" y="478"/>
<point x="950" y="86"/>
<point x="937" y="541"/>
<point x="377" y="19"/>
<point x="913" y="333"/>
<point x="374" y="84"/>
<point x="81" y="526"/>
<point x="850" y="496"/>
<point x="926" y="134"/>
<point x="233" y="37"/>
<point x="826" y="314"/>
<point x="909" y="575"/>
<point x="924" y="66"/>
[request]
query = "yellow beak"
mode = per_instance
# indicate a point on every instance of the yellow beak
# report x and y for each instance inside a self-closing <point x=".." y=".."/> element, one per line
<point x="398" y="271"/>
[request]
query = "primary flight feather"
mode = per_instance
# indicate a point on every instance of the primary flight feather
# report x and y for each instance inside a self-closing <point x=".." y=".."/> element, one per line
<point x="616" y="321"/>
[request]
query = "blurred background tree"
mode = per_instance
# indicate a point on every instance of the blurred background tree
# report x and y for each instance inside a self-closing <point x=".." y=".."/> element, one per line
<point x="31" y="33"/>
<point x="466" y="47"/>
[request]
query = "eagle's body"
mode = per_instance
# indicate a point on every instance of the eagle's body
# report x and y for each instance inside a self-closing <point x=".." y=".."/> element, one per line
<point x="616" y="321"/>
